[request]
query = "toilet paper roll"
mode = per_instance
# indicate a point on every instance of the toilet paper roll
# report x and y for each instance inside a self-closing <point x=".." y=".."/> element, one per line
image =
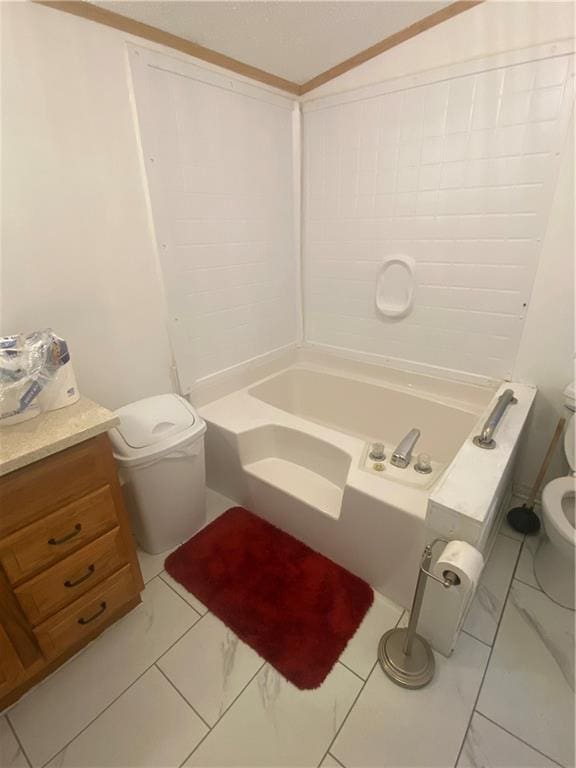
<point x="462" y="559"/>
<point x="61" y="390"/>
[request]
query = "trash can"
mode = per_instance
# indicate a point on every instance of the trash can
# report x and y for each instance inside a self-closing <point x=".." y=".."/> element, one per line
<point x="159" y="445"/>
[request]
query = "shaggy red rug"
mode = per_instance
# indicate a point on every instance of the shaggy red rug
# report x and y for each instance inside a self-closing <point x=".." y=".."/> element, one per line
<point x="295" y="607"/>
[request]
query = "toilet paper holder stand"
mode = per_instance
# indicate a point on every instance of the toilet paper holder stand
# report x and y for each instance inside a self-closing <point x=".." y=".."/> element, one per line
<point x="403" y="654"/>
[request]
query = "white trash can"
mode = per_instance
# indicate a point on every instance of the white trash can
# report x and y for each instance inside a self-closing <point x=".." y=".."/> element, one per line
<point x="159" y="445"/>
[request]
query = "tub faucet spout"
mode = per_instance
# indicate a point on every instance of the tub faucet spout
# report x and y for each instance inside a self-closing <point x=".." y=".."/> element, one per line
<point x="403" y="452"/>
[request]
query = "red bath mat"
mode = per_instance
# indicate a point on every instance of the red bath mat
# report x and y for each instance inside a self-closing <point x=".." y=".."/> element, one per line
<point x="293" y="606"/>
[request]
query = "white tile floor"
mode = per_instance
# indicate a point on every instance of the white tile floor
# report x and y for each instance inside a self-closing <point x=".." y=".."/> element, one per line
<point x="170" y="685"/>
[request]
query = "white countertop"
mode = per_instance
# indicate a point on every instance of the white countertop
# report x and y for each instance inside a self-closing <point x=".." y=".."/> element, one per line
<point x="28" y="441"/>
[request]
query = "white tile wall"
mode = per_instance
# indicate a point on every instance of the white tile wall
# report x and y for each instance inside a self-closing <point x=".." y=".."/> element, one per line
<point x="220" y="172"/>
<point x="460" y="175"/>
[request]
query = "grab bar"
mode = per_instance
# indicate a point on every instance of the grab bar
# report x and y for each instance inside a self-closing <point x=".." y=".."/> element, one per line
<point x="485" y="438"/>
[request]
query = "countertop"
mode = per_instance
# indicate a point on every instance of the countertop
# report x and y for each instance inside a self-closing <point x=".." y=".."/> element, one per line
<point x="22" y="444"/>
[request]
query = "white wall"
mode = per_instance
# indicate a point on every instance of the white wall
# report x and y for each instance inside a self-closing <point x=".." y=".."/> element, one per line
<point x="78" y="243"/>
<point x="77" y="249"/>
<point x="546" y="355"/>
<point x="494" y="26"/>
<point x="219" y="159"/>
<point x="457" y="173"/>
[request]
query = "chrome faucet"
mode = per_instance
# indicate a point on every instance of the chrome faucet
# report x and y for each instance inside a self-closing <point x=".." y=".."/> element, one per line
<point x="403" y="451"/>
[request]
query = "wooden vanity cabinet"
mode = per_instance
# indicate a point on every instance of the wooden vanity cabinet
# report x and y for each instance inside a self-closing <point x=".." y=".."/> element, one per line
<point x="11" y="669"/>
<point x="68" y="565"/>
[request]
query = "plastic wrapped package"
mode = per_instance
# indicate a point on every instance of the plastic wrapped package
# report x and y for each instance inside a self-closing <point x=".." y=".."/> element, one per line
<point x="35" y="375"/>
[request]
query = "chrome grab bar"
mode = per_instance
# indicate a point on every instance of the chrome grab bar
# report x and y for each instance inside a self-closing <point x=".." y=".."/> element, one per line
<point x="485" y="439"/>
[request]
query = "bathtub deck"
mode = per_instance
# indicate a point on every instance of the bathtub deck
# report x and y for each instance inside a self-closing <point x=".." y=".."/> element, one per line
<point x="169" y="685"/>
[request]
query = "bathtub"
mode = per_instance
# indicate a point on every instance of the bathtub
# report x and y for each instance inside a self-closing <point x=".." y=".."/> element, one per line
<point x="294" y="448"/>
<point x="370" y="410"/>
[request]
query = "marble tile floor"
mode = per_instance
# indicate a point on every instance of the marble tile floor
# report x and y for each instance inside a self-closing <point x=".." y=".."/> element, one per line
<point x="170" y="685"/>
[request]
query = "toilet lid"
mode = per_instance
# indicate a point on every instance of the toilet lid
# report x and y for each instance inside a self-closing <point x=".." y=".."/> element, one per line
<point x="569" y="444"/>
<point x="558" y="499"/>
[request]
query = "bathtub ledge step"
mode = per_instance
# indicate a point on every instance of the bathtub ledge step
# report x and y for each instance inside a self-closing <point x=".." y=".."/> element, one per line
<point x="299" y="482"/>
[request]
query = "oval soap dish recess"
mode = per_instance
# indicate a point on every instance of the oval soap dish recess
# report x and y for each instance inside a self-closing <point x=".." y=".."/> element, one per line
<point x="400" y="290"/>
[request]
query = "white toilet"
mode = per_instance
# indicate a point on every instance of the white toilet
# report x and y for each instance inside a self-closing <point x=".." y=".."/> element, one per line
<point x="554" y="560"/>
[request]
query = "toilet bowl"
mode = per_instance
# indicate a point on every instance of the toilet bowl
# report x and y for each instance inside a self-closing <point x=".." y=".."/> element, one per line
<point x="554" y="560"/>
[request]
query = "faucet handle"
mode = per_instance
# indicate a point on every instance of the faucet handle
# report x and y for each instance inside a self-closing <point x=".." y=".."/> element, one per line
<point x="423" y="464"/>
<point x="377" y="452"/>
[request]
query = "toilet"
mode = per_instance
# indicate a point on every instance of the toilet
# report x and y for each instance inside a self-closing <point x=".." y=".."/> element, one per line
<point x="554" y="560"/>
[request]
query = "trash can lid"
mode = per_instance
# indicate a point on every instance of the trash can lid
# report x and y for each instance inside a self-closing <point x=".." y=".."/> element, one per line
<point x="153" y="424"/>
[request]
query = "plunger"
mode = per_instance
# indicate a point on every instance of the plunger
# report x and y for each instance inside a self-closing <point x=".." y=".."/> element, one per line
<point x="523" y="519"/>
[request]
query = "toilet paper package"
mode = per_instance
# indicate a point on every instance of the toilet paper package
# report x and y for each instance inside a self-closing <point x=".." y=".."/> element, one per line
<point x="35" y="375"/>
<point x="465" y="561"/>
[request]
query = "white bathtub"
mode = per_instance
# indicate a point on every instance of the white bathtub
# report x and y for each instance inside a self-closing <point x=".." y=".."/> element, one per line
<point x="293" y="448"/>
<point x="371" y="410"/>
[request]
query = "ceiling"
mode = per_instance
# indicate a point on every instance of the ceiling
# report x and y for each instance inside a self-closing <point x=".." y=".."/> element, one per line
<point x="293" y="39"/>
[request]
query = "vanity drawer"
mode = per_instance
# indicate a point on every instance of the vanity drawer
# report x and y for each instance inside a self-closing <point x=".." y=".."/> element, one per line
<point x="80" y="619"/>
<point x="44" y="486"/>
<point x="54" y="537"/>
<point x="72" y="577"/>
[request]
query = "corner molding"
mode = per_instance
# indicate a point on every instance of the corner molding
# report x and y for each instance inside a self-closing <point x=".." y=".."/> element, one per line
<point x="390" y="42"/>
<point x="87" y="10"/>
<point x="145" y="31"/>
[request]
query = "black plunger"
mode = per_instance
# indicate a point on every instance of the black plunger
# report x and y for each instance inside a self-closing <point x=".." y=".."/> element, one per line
<point x="523" y="519"/>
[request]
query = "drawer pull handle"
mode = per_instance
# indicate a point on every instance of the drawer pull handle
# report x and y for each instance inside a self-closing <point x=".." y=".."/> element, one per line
<point x="94" y="615"/>
<point x="64" y="539"/>
<point x="91" y="569"/>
